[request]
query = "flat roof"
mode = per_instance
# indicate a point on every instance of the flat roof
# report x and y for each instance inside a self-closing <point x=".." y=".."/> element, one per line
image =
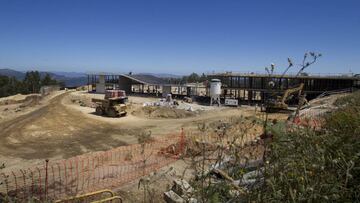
<point x="262" y="75"/>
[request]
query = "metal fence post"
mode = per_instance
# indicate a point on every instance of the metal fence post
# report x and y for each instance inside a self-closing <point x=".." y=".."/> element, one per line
<point x="32" y="182"/>
<point x="82" y="174"/>
<point x="53" y="180"/>
<point x="60" y="182"/>
<point x="65" y="174"/>
<point x="77" y="174"/>
<point x="46" y="178"/>
<point x="24" y="183"/>
<point x="15" y="180"/>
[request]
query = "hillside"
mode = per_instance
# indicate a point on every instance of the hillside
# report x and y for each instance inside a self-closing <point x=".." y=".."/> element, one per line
<point x="69" y="78"/>
<point x="12" y="73"/>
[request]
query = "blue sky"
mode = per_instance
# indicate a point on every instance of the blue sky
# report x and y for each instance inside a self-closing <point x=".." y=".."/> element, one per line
<point x="178" y="37"/>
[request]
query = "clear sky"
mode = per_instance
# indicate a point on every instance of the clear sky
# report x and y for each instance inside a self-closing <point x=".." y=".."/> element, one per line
<point x="178" y="37"/>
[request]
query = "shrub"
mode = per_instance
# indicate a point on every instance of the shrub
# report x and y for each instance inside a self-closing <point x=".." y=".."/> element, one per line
<point x="316" y="166"/>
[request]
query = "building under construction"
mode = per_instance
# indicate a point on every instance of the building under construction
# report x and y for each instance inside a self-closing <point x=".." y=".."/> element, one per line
<point x="142" y="84"/>
<point x="248" y="88"/>
<point x="255" y="87"/>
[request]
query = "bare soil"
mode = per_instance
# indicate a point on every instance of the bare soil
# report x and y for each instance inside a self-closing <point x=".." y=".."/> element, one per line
<point x="56" y="131"/>
<point x="162" y="112"/>
<point x="62" y="127"/>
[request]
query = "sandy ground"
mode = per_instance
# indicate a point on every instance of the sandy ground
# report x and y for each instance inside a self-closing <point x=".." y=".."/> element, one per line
<point x="56" y="131"/>
<point x="11" y="111"/>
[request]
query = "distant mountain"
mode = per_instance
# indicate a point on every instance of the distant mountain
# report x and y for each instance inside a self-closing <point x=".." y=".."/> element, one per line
<point x="162" y="75"/>
<point x="69" y="74"/>
<point x="12" y="73"/>
<point x="75" y="82"/>
<point x="70" y="79"/>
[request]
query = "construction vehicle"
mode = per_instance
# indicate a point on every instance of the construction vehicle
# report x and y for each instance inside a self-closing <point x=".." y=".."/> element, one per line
<point x="278" y="104"/>
<point x="113" y="105"/>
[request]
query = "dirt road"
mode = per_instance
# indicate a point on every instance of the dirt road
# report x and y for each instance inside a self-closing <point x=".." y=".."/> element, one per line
<point x="57" y="131"/>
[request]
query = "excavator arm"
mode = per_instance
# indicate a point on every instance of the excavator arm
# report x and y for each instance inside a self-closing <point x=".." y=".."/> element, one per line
<point x="291" y="91"/>
<point x="280" y="103"/>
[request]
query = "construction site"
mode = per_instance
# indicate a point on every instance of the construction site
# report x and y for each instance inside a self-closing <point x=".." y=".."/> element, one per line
<point x="179" y="101"/>
<point x="120" y="130"/>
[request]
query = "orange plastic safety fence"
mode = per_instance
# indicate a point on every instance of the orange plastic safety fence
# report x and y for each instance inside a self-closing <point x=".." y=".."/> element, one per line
<point x="92" y="171"/>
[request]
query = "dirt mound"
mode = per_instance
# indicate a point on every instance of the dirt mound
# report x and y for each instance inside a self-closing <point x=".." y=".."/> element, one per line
<point x="162" y="112"/>
<point x="31" y="101"/>
<point x="18" y="98"/>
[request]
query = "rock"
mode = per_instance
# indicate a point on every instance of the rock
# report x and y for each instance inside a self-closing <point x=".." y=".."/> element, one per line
<point x="253" y="174"/>
<point x="171" y="197"/>
<point x="190" y="108"/>
<point x="234" y="193"/>
<point x="192" y="200"/>
<point x="252" y="178"/>
<point x="182" y="187"/>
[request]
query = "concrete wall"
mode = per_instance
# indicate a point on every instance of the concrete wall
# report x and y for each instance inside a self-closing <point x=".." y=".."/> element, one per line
<point x="166" y="89"/>
<point x="100" y="86"/>
<point x="45" y="90"/>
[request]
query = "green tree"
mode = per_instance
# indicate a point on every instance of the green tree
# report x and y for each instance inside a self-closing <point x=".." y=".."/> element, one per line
<point x="193" y="77"/>
<point x="47" y="80"/>
<point x="32" y="82"/>
<point x="4" y="85"/>
<point x="9" y="86"/>
<point x="203" y="77"/>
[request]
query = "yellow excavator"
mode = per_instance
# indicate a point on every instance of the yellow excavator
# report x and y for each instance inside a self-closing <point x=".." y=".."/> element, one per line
<point x="279" y="104"/>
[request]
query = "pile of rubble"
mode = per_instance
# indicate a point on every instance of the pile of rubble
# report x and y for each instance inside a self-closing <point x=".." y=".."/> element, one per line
<point x="162" y="102"/>
<point x="165" y="108"/>
<point x="183" y="192"/>
<point x="162" y="112"/>
<point x="320" y="106"/>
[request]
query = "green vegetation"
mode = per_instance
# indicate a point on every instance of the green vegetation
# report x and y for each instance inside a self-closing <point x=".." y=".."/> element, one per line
<point x="31" y="84"/>
<point x="315" y="166"/>
<point x="300" y="164"/>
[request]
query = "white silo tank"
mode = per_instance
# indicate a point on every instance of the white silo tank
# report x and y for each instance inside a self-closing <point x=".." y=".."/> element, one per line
<point x="215" y="87"/>
<point x="215" y="91"/>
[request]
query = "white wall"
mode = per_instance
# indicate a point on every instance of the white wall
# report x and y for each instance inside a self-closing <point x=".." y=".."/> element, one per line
<point x="100" y="86"/>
